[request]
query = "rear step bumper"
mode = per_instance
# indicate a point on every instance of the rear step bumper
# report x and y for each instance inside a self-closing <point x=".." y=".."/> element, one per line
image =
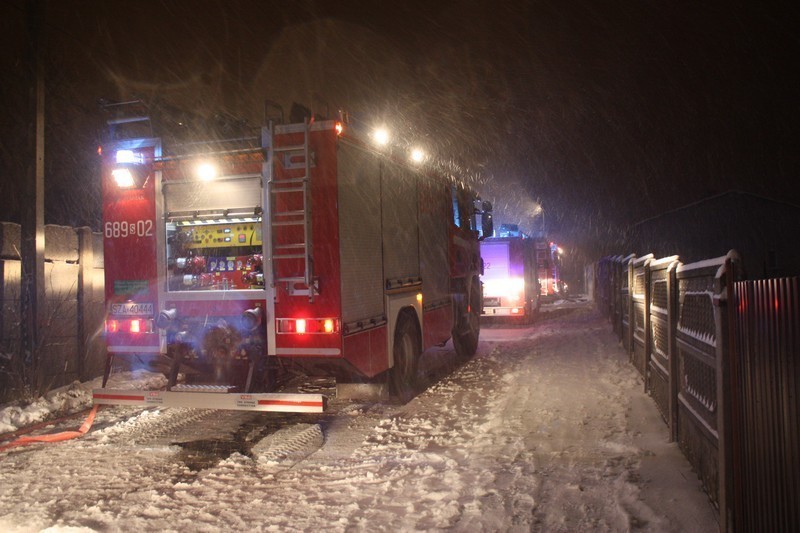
<point x="275" y="402"/>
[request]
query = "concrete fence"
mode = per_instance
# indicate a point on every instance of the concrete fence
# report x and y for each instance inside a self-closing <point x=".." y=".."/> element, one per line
<point x="720" y="358"/>
<point x="70" y="344"/>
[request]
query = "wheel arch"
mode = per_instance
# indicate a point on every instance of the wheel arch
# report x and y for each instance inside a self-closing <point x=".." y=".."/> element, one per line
<point x="397" y="306"/>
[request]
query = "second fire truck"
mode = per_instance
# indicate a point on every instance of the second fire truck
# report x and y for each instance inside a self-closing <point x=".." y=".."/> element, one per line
<point x="511" y="285"/>
<point x="300" y="244"/>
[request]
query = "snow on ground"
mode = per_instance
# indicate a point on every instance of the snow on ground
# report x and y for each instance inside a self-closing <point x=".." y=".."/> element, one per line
<point x="546" y="429"/>
<point x="72" y="398"/>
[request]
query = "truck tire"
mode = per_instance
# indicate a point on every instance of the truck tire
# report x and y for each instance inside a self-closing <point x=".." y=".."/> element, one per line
<point x="403" y="378"/>
<point x="468" y="322"/>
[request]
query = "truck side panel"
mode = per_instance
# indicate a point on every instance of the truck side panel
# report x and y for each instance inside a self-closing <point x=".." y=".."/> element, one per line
<point x="400" y="223"/>
<point x="360" y="235"/>
<point x="434" y="217"/>
<point x="366" y="350"/>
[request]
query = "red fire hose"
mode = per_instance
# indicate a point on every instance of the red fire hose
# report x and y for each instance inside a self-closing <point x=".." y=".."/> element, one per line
<point x="54" y="437"/>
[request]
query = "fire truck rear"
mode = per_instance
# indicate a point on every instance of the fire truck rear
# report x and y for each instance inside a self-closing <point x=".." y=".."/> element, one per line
<point x="510" y="281"/>
<point x="298" y="245"/>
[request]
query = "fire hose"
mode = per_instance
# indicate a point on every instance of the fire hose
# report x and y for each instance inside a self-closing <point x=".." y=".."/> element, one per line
<point x="54" y="437"/>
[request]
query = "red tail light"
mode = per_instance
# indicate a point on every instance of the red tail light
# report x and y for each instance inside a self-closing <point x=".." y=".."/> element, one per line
<point x="302" y="326"/>
<point x="133" y="326"/>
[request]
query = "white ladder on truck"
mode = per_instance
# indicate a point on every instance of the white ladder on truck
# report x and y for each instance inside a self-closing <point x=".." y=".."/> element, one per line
<point x="296" y="190"/>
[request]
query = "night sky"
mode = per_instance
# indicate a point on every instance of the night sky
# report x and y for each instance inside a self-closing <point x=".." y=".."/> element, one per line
<point x="602" y="112"/>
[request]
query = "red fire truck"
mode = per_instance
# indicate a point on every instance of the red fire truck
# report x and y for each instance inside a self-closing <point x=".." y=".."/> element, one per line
<point x="510" y="283"/>
<point x="303" y="245"/>
<point x="547" y="263"/>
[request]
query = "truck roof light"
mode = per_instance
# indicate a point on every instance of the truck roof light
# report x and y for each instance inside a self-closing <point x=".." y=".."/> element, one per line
<point x="123" y="178"/>
<point x="126" y="156"/>
<point x="381" y="136"/>
<point x="206" y="171"/>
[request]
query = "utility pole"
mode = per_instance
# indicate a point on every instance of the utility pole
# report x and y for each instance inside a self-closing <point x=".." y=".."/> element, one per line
<point x="32" y="299"/>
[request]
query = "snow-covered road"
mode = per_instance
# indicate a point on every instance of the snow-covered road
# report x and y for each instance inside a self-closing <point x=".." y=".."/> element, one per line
<point x="546" y="429"/>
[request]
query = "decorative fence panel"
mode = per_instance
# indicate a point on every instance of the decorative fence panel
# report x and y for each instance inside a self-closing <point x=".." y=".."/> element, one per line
<point x="661" y="377"/>
<point x="640" y="317"/>
<point x="616" y="295"/>
<point x="626" y="302"/>
<point x="699" y="347"/>
<point x="604" y="291"/>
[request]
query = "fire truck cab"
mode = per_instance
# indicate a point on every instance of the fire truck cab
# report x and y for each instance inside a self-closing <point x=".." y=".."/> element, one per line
<point x="300" y="245"/>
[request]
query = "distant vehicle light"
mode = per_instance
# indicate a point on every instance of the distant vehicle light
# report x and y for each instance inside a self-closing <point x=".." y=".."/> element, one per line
<point x="112" y="326"/>
<point x="339" y="127"/>
<point x="417" y="155"/>
<point x="300" y="326"/>
<point x="419" y="297"/>
<point x="511" y="288"/>
<point x="381" y="136"/>
<point x="328" y="326"/>
<point x="136" y="326"/>
<point x="206" y="171"/>
<point x="123" y="178"/>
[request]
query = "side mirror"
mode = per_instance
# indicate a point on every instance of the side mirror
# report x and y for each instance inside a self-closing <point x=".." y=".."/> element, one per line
<point x="487" y="206"/>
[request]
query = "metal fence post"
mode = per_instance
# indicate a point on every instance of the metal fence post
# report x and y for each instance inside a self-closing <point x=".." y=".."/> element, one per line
<point x="672" y="327"/>
<point x="648" y="333"/>
<point x="724" y="356"/>
<point x="85" y="292"/>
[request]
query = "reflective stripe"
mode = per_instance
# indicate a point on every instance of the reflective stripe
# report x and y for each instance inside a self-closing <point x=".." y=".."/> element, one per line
<point x="134" y="349"/>
<point x="309" y="351"/>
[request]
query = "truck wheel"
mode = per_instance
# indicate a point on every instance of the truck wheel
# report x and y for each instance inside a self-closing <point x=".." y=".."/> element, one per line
<point x="468" y="323"/>
<point x="403" y="381"/>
